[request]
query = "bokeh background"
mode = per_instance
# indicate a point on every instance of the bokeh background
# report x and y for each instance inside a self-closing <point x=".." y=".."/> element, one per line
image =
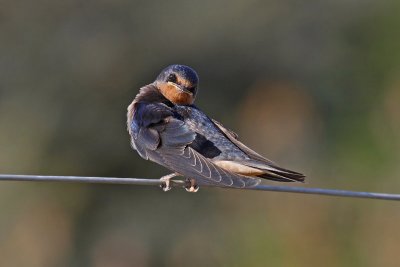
<point x="314" y="85"/>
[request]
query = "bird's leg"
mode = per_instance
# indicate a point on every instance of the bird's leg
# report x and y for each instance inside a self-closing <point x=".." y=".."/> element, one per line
<point x="191" y="185"/>
<point x="166" y="185"/>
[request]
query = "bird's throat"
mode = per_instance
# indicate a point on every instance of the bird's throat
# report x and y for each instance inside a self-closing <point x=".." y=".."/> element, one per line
<point x="175" y="95"/>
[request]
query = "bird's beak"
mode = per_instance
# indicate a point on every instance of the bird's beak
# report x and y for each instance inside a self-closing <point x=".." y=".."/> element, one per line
<point x="180" y="87"/>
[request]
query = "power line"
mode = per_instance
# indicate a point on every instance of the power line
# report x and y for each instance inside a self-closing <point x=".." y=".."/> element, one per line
<point x="79" y="179"/>
<point x="157" y="182"/>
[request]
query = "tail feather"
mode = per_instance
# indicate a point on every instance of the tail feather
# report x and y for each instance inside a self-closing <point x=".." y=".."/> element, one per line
<point x="275" y="173"/>
<point x="283" y="176"/>
<point x="271" y="171"/>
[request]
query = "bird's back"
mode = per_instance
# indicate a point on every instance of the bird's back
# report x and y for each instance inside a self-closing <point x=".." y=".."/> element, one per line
<point x="210" y="140"/>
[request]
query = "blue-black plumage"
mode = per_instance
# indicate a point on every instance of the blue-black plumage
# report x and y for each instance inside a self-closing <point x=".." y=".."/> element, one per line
<point x="166" y="128"/>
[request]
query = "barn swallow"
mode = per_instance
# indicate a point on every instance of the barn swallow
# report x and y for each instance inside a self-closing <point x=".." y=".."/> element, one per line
<point x="166" y="128"/>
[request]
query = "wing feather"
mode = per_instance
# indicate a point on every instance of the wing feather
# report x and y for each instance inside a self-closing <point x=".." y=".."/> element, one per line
<point x="159" y="136"/>
<point x="198" y="167"/>
<point x="174" y="153"/>
<point x="271" y="169"/>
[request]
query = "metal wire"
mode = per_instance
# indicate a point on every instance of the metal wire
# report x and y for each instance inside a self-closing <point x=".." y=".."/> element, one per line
<point x="157" y="182"/>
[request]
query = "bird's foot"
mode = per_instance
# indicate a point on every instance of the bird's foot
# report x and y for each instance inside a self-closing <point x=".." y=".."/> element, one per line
<point x="166" y="181"/>
<point x="191" y="186"/>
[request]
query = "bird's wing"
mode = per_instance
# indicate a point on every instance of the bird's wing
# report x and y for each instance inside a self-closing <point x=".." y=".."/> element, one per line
<point x="226" y="131"/>
<point x="271" y="170"/>
<point x="233" y="137"/>
<point x="165" y="139"/>
<point x="144" y="137"/>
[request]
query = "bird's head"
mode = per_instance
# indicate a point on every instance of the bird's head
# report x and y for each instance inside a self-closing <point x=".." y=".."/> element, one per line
<point x="178" y="83"/>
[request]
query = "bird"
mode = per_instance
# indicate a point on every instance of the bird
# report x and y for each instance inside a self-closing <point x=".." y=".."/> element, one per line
<point x="167" y="128"/>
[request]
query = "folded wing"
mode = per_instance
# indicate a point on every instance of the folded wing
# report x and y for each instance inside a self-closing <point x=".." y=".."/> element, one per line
<point x="173" y="152"/>
<point x="266" y="168"/>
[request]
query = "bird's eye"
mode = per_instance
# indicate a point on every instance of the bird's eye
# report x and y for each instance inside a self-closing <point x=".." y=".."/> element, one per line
<point x="171" y="78"/>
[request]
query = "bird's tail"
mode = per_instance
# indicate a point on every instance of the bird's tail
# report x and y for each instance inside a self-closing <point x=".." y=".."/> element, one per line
<point x="274" y="172"/>
<point x="282" y="175"/>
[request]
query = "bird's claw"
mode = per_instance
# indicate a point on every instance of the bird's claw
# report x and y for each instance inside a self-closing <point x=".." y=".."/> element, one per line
<point x="191" y="186"/>
<point x="166" y="182"/>
<point x="192" y="189"/>
<point x="166" y="186"/>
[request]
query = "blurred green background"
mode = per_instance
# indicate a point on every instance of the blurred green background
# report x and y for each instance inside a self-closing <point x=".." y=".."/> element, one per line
<point x="313" y="85"/>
